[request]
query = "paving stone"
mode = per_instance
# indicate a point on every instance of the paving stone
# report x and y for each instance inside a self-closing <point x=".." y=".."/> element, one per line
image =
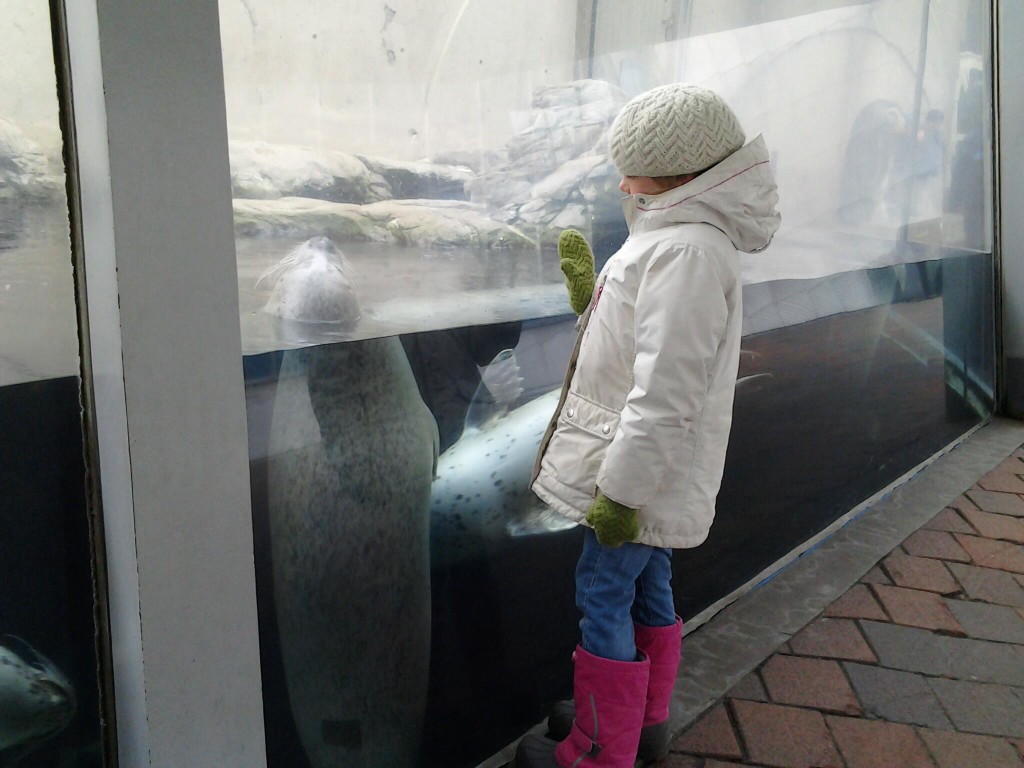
<point x="750" y="688"/>
<point x="919" y="573"/>
<point x="720" y="764"/>
<point x="832" y="638"/>
<point x="950" y="520"/>
<point x="876" y="744"/>
<point x="1019" y="744"/>
<point x="914" y="608"/>
<point x="981" y="707"/>
<point x="965" y="750"/>
<point x="682" y="761"/>
<point x="803" y="682"/>
<point x="962" y="502"/>
<point x="1001" y="555"/>
<point x="936" y="544"/>
<point x="993" y="526"/>
<point x="875" y="576"/>
<point x="1011" y="465"/>
<point x="1004" y="482"/>
<point x="1000" y="503"/>
<point x="857" y="603"/>
<point x="1013" y="462"/>
<point x="989" y="585"/>
<point x="899" y="697"/>
<point x="785" y="737"/>
<point x="918" y="650"/>
<point x="712" y="735"/>
<point x="988" y="622"/>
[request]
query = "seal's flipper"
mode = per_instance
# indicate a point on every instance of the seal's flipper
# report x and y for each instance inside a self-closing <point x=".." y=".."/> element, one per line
<point x="538" y="519"/>
<point x="750" y="384"/>
<point x="501" y="384"/>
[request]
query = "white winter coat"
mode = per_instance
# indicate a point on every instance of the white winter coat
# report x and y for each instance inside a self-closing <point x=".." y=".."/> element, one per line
<point x="647" y="404"/>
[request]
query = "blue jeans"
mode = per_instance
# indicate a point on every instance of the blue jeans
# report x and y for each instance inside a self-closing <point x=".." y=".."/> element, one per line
<point x="618" y="586"/>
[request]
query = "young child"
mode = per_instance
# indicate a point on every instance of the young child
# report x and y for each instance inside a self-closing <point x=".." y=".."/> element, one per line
<point x="636" y="449"/>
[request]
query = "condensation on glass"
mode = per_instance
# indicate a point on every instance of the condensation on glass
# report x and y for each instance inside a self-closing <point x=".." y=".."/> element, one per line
<point x="400" y="174"/>
<point x="49" y="697"/>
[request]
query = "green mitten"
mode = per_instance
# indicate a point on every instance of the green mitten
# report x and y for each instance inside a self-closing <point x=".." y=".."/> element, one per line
<point x="577" y="263"/>
<point x="614" y="523"/>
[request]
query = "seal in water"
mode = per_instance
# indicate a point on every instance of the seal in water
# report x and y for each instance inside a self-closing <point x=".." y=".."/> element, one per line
<point x="36" y="700"/>
<point x="314" y="283"/>
<point x="481" y="495"/>
<point x="353" y="451"/>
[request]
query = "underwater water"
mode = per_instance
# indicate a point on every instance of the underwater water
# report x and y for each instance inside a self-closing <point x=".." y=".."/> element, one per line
<point x="843" y="404"/>
<point x="404" y="289"/>
<point x="49" y="691"/>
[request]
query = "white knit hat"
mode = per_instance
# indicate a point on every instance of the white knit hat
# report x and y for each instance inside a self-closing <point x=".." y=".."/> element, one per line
<point x="673" y="130"/>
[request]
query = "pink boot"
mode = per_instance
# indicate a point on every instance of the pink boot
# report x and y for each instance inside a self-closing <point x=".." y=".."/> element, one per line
<point x="662" y="645"/>
<point x="610" y="699"/>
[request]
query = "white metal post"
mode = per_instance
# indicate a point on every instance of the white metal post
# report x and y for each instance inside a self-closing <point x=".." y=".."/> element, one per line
<point x="162" y="300"/>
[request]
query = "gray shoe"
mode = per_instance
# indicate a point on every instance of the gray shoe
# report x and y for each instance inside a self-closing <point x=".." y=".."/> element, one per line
<point x="535" y="752"/>
<point x="654" y="739"/>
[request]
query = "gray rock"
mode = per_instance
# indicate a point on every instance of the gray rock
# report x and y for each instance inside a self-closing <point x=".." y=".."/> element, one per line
<point x="497" y="188"/>
<point x="421" y="180"/>
<point x="25" y="172"/>
<point x="429" y="223"/>
<point x="424" y="223"/>
<point x="578" y="92"/>
<point x="557" y="173"/>
<point x="565" y="182"/>
<point x="306" y="217"/>
<point x="478" y="162"/>
<point x="266" y="171"/>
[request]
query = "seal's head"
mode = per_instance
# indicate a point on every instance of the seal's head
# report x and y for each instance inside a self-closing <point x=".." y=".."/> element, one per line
<point x="314" y="283"/>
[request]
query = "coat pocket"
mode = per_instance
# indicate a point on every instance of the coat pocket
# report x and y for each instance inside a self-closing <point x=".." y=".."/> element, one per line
<point x="578" y="446"/>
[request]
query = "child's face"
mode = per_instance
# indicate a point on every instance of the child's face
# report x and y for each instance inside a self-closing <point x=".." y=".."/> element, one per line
<point x="650" y="185"/>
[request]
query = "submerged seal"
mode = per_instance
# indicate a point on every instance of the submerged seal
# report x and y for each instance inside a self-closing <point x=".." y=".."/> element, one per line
<point x="37" y="701"/>
<point x="353" y="451"/>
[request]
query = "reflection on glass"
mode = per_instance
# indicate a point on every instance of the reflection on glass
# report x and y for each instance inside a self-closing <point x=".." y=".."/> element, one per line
<point x="400" y="175"/>
<point x="49" y="698"/>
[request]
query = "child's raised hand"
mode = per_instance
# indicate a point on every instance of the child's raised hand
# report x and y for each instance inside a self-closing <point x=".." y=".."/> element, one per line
<point x="614" y="523"/>
<point x="577" y="263"/>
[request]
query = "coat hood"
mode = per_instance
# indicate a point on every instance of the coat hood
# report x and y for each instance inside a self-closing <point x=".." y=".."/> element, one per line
<point x="737" y="196"/>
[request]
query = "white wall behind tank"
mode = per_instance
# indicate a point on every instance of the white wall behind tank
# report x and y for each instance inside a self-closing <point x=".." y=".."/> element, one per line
<point x="401" y="79"/>
<point x="28" y="97"/>
<point x="799" y="78"/>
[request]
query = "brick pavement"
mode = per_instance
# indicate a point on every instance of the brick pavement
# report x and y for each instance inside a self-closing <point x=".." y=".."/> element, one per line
<point x="919" y="664"/>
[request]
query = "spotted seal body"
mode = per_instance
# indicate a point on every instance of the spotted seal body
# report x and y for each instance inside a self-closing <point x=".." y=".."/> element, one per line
<point x="353" y="451"/>
<point x="36" y="699"/>
<point x="349" y="495"/>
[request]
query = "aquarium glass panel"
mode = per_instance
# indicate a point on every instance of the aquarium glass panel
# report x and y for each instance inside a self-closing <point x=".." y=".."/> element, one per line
<point x="49" y="695"/>
<point x="400" y="175"/>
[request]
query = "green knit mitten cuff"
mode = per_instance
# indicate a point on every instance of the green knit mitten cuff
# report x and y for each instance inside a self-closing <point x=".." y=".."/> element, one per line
<point x="614" y="523"/>
<point x="577" y="263"/>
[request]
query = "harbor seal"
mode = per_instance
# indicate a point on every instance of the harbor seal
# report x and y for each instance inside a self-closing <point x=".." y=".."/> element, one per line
<point x="37" y="700"/>
<point x="353" y="450"/>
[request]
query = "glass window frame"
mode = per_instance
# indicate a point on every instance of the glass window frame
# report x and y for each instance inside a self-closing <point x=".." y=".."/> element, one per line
<point x="179" y="539"/>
